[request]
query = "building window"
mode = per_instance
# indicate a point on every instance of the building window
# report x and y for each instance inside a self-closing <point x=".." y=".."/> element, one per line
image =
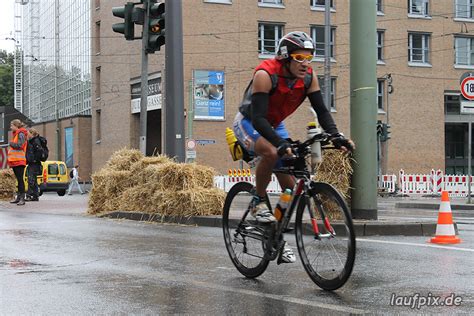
<point x="464" y="51"/>
<point x="381" y="94"/>
<point x="97" y="37"/>
<point x="276" y="2"/>
<point x="97" y="82"/>
<point x="380" y="43"/>
<point x="333" y="91"/>
<point x="320" y="3"/>
<point x="269" y="36"/>
<point x="317" y="34"/>
<point x="418" y="7"/>
<point x="418" y="48"/>
<point x="379" y="6"/>
<point x="464" y="9"/>
<point x="98" y="133"/>
<point x="97" y="4"/>
<point x="452" y="104"/>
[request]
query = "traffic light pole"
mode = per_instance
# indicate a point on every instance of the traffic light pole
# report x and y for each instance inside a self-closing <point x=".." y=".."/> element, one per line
<point x="174" y="111"/>
<point x="144" y="81"/>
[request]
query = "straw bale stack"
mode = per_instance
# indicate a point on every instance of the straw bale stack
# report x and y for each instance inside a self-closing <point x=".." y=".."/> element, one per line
<point x="107" y="188"/>
<point x="191" y="202"/>
<point x="154" y="185"/>
<point x="178" y="177"/>
<point x="7" y="184"/>
<point x="123" y="159"/>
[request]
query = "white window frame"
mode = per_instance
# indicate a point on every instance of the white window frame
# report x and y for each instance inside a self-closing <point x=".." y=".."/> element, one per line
<point x="271" y="4"/>
<point x="423" y="13"/>
<point x="278" y="28"/>
<point x="381" y="96"/>
<point x="219" y="1"/>
<point x="333" y="91"/>
<point x="468" y="54"/>
<point x="467" y="6"/>
<point x="425" y="49"/>
<point x="316" y="43"/>
<point x="380" y="46"/>
<point x="321" y="7"/>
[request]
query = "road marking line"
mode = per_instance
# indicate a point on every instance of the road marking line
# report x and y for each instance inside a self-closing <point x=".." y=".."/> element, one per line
<point x="415" y="244"/>
<point x="277" y="297"/>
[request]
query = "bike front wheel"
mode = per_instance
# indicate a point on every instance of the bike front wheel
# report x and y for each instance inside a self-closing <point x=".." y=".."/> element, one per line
<point x="244" y="239"/>
<point x="326" y="247"/>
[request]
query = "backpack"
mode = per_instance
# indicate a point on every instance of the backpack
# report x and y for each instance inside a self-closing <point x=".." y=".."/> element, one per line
<point x="71" y="173"/>
<point x="42" y="152"/>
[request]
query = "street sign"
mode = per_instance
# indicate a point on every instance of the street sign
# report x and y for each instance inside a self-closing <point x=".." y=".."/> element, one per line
<point x="467" y="88"/>
<point x="467" y="107"/>
<point x="190" y="154"/>
<point x="190" y="144"/>
<point x="203" y="142"/>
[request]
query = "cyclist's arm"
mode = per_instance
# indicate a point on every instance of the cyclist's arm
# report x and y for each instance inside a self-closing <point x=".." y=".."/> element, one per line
<point x="261" y="87"/>
<point x="316" y="99"/>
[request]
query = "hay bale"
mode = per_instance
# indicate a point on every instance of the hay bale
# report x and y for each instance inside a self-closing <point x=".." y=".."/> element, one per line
<point x="189" y="203"/>
<point x="107" y="187"/>
<point x="123" y="159"/>
<point x="182" y="177"/>
<point x="139" y="167"/>
<point x="336" y="169"/>
<point x="8" y="184"/>
<point x="139" y="199"/>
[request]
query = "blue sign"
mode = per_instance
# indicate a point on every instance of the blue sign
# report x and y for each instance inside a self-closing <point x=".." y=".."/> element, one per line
<point x="209" y="101"/>
<point x="69" y="146"/>
<point x="204" y="142"/>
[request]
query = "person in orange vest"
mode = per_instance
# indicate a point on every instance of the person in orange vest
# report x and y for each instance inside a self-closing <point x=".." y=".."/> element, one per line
<point x="17" y="157"/>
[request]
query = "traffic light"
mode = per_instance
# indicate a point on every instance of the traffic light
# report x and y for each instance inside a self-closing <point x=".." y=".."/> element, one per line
<point x="383" y="131"/>
<point x="156" y="27"/>
<point x="379" y="128"/>
<point x="386" y="131"/>
<point x="127" y="27"/>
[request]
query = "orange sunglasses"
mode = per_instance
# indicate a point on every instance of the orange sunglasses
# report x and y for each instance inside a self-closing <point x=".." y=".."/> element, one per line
<point x="301" y="57"/>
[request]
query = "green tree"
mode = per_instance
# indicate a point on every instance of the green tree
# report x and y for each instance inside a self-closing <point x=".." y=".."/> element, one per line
<point x="6" y="78"/>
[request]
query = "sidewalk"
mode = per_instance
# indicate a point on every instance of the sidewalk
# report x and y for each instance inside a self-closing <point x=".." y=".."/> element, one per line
<point x="396" y="216"/>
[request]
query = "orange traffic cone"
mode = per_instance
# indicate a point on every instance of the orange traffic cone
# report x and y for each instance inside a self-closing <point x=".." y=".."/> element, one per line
<point x="445" y="233"/>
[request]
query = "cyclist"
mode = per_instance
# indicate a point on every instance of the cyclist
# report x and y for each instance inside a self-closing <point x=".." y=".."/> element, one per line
<point x="279" y="86"/>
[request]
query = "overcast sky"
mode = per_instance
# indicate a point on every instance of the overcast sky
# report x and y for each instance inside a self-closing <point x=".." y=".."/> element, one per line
<point x="6" y="24"/>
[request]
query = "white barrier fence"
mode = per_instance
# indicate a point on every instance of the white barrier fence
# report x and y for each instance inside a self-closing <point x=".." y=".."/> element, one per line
<point x="407" y="184"/>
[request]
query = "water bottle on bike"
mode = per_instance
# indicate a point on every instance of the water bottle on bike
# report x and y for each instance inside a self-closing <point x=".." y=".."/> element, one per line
<point x="282" y="204"/>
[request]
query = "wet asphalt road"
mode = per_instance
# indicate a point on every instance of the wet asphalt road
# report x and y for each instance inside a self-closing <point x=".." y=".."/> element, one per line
<point x="54" y="262"/>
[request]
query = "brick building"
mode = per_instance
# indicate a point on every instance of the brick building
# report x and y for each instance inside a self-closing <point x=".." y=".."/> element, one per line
<point x="424" y="45"/>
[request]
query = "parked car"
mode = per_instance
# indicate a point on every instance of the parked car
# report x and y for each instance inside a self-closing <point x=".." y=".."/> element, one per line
<point x="55" y="178"/>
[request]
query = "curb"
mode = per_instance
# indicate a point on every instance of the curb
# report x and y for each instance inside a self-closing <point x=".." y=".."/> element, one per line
<point x="432" y="206"/>
<point x="362" y="228"/>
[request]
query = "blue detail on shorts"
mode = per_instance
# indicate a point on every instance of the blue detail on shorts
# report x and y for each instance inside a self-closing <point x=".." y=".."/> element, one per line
<point x="252" y="133"/>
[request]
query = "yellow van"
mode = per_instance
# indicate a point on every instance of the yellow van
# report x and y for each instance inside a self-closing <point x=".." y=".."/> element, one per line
<point x="55" y="178"/>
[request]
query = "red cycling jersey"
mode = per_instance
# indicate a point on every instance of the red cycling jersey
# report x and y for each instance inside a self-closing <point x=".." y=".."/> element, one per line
<point x="283" y="99"/>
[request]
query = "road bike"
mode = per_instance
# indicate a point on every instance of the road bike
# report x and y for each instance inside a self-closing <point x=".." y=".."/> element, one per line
<point x="323" y="225"/>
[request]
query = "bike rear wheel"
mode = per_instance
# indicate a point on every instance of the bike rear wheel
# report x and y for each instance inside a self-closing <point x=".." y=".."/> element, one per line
<point x="328" y="257"/>
<point x="244" y="239"/>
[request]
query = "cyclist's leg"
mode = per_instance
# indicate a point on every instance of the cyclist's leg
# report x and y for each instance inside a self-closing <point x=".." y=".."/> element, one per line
<point x="259" y="146"/>
<point x="286" y="181"/>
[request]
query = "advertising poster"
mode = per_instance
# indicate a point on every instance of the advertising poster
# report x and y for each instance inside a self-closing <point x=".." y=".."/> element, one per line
<point x="209" y="102"/>
<point x="69" y="146"/>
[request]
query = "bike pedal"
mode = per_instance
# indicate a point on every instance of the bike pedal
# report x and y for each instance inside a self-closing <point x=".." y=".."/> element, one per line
<point x="288" y="230"/>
